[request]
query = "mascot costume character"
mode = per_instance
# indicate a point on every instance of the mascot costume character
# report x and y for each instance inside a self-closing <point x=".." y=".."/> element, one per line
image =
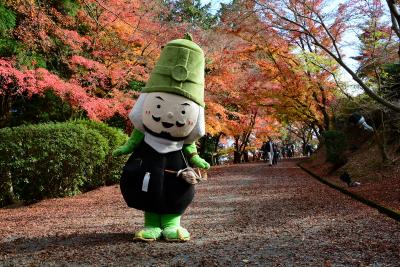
<point x="168" y="118"/>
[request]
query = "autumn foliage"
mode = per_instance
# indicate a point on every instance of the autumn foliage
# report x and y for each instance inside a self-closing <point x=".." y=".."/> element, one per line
<point x="268" y="63"/>
<point x="82" y="50"/>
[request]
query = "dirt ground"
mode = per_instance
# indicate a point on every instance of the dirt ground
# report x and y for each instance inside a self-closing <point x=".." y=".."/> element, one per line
<point x="245" y="215"/>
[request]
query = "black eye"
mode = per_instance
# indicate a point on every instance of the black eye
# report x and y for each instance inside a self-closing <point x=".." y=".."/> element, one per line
<point x="158" y="106"/>
<point x="183" y="112"/>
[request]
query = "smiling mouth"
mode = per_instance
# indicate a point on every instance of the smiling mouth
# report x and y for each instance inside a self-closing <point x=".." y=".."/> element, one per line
<point x="167" y="124"/>
<point x="157" y="119"/>
<point x="165" y="135"/>
<point x="178" y="124"/>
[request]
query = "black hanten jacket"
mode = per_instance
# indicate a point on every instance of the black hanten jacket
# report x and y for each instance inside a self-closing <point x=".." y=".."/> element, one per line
<point x="165" y="193"/>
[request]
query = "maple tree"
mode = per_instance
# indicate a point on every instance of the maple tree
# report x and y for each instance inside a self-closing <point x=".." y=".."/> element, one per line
<point x="90" y="53"/>
<point x="324" y="27"/>
<point x="298" y="131"/>
<point x="255" y="81"/>
<point x="303" y="88"/>
<point x="236" y="95"/>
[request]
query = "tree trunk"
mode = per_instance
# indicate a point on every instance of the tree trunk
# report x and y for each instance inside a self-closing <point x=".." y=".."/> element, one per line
<point x="246" y="157"/>
<point x="215" y="152"/>
<point x="381" y="141"/>
<point x="6" y="190"/>
<point x="237" y="157"/>
<point x="5" y="107"/>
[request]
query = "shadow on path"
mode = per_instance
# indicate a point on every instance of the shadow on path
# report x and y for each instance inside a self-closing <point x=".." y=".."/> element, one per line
<point x="73" y="241"/>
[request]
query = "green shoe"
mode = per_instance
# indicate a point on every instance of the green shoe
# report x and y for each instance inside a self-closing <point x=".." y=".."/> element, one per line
<point x="148" y="234"/>
<point x="176" y="234"/>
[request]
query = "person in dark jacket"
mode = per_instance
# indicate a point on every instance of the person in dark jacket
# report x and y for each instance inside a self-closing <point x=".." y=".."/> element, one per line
<point x="264" y="155"/>
<point x="275" y="154"/>
<point x="269" y="151"/>
<point x="308" y="150"/>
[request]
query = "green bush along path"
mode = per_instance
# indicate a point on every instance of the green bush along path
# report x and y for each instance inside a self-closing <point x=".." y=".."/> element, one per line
<point x="244" y="215"/>
<point x="57" y="159"/>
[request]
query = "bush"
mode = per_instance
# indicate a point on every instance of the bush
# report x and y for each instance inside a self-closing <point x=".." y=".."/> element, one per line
<point x="9" y="47"/>
<point x="7" y="19"/>
<point x="48" y="160"/>
<point x="336" y="144"/>
<point x="39" y="109"/>
<point x="110" y="170"/>
<point x="117" y="121"/>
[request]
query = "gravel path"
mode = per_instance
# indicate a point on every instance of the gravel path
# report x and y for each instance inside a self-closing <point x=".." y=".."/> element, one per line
<point x="245" y="215"/>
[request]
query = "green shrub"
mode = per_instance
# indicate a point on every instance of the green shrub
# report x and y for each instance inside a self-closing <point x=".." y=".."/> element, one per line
<point x="110" y="170"/>
<point x="7" y="19"/>
<point x="71" y="7"/>
<point x="49" y="160"/>
<point x="135" y="85"/>
<point x="39" y="109"/>
<point x="9" y="47"/>
<point x="336" y="144"/>
<point x="31" y="60"/>
<point x="117" y="121"/>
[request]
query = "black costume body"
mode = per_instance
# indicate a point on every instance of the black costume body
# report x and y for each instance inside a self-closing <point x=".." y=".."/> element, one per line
<point x="166" y="193"/>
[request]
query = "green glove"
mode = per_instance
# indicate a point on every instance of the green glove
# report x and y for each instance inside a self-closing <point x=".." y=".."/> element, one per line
<point x="134" y="140"/>
<point x="194" y="158"/>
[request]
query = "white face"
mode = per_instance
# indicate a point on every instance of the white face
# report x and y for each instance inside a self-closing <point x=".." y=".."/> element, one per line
<point x="169" y="113"/>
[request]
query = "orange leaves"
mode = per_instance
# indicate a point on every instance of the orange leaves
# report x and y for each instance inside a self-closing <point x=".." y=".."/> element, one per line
<point x="239" y="90"/>
<point x="292" y="89"/>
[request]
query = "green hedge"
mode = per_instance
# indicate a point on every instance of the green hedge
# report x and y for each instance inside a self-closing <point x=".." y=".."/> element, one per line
<point x="48" y="160"/>
<point x="110" y="170"/>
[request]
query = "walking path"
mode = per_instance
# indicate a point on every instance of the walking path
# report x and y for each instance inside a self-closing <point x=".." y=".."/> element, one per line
<point x="245" y="215"/>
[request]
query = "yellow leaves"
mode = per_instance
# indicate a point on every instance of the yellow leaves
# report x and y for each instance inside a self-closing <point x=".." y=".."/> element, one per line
<point x="216" y="109"/>
<point x="123" y="30"/>
<point x="214" y="126"/>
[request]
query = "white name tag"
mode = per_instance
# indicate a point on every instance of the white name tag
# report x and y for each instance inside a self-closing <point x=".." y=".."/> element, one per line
<point x="146" y="180"/>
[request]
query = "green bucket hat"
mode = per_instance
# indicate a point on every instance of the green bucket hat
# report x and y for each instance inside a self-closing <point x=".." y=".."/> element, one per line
<point x="179" y="70"/>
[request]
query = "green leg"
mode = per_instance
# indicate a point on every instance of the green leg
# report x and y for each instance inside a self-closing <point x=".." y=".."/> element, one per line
<point x="151" y="230"/>
<point x="172" y="229"/>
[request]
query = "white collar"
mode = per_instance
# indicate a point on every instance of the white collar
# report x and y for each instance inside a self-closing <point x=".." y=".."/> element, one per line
<point x="162" y="145"/>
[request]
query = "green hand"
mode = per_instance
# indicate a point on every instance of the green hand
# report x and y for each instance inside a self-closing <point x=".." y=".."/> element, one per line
<point x="134" y="140"/>
<point x="122" y="150"/>
<point x="198" y="162"/>
<point x="191" y="151"/>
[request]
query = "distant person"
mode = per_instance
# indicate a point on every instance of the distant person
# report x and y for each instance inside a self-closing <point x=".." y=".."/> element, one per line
<point x="345" y="177"/>
<point x="275" y="154"/>
<point x="263" y="153"/>
<point x="289" y="151"/>
<point x="309" y="150"/>
<point x="283" y="152"/>
<point x="269" y="150"/>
